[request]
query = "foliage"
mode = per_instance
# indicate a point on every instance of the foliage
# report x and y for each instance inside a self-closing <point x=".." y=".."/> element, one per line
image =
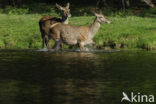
<point x="12" y="10"/>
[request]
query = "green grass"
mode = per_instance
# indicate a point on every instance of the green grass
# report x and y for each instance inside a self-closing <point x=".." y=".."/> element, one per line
<point x="19" y="31"/>
<point x="128" y="32"/>
<point x="22" y="31"/>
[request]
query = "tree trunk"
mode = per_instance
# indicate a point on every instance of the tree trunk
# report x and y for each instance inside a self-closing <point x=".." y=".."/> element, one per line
<point x="101" y="3"/>
<point x="123" y="5"/>
<point x="149" y="3"/>
<point x="128" y="3"/>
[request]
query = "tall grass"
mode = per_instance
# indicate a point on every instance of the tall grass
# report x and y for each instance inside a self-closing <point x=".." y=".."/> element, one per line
<point x="125" y="31"/>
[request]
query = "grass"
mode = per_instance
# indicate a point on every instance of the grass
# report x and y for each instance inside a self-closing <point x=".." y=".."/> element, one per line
<point x="128" y="32"/>
<point x="22" y="31"/>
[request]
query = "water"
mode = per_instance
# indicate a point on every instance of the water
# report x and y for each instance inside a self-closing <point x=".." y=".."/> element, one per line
<point x="38" y="77"/>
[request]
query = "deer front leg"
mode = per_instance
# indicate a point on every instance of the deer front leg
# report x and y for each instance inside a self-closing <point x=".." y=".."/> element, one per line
<point x="81" y="45"/>
<point x="57" y="45"/>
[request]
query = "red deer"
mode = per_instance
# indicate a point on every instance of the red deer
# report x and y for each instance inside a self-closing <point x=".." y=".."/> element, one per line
<point x="46" y="21"/>
<point x="76" y="35"/>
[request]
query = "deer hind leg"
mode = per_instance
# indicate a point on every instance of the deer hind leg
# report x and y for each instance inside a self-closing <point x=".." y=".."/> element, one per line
<point x="47" y="42"/>
<point x="43" y="40"/>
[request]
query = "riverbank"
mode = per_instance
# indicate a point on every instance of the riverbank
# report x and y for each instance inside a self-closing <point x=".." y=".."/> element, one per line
<point x="125" y="31"/>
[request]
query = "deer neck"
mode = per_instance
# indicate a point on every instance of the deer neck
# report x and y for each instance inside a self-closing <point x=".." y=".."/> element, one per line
<point x="64" y="20"/>
<point x="93" y="29"/>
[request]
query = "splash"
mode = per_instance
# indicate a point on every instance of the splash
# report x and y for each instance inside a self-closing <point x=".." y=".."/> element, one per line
<point x="43" y="50"/>
<point x="86" y="49"/>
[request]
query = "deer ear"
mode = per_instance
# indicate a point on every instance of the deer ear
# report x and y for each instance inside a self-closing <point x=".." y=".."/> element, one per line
<point x="68" y="5"/>
<point x="97" y="15"/>
<point x="59" y="7"/>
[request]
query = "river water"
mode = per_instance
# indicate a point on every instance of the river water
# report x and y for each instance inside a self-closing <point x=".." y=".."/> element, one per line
<point x="100" y="77"/>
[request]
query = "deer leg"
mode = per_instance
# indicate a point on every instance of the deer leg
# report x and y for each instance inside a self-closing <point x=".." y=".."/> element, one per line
<point x="47" y="42"/>
<point x="43" y="40"/>
<point x="62" y="47"/>
<point x="54" y="45"/>
<point x="57" y="45"/>
<point x="81" y="45"/>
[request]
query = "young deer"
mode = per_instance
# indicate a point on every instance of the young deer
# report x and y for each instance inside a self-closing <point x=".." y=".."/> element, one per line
<point x="73" y="35"/>
<point x="46" y="21"/>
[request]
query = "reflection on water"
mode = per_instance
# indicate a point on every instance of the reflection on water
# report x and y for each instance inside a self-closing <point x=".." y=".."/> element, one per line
<point x="32" y="77"/>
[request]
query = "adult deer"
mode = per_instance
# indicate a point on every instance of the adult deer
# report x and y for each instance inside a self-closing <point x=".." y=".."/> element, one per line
<point x="46" y="21"/>
<point x="76" y="35"/>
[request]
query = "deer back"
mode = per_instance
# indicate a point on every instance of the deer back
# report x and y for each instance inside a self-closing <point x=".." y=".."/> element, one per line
<point x="70" y="33"/>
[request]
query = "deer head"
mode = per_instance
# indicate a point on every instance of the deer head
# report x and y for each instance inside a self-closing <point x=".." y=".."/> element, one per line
<point x="65" y="11"/>
<point x="101" y="18"/>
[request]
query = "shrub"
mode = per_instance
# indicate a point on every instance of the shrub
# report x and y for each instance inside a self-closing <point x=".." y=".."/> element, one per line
<point x="13" y="10"/>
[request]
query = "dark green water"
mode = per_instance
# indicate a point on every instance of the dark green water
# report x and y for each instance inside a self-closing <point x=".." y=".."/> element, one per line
<point x="31" y="77"/>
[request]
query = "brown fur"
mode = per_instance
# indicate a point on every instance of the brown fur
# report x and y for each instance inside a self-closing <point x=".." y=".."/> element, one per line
<point x="46" y="21"/>
<point x="73" y="35"/>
